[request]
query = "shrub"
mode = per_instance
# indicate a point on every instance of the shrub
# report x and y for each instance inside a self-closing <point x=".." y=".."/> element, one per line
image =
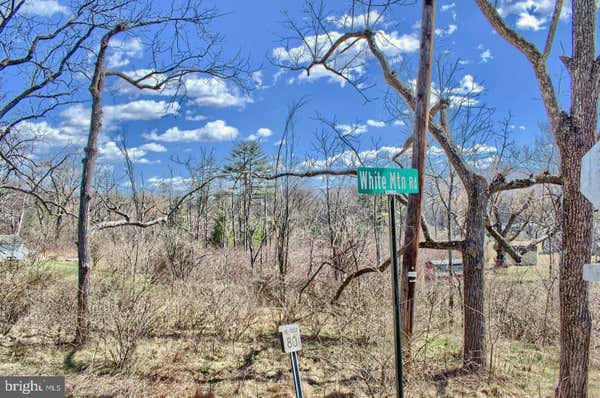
<point x="19" y="285"/>
<point x="126" y="314"/>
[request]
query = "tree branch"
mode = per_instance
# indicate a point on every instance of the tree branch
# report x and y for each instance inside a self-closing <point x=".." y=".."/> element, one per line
<point x="552" y="31"/>
<point x="310" y="173"/>
<point x="499" y="184"/>
<point x="452" y="245"/>
<point x="532" y="54"/>
<point x="503" y="242"/>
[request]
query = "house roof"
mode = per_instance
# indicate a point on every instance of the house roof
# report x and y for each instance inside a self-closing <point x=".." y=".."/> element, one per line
<point x="11" y="240"/>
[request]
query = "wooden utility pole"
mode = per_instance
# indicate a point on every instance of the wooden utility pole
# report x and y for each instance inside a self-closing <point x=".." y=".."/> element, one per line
<point x="414" y="208"/>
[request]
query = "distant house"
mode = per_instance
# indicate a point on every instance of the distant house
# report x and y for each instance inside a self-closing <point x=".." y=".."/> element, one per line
<point x="12" y="247"/>
<point x="439" y="269"/>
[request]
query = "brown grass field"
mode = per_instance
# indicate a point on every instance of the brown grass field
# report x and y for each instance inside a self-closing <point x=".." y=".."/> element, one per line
<point x="216" y="332"/>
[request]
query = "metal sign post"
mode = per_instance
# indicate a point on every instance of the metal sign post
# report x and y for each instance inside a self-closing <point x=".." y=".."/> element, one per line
<point x="396" y="297"/>
<point x="390" y="181"/>
<point x="290" y="342"/>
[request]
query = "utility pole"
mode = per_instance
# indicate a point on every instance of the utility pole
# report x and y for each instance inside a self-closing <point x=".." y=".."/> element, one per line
<point x="414" y="208"/>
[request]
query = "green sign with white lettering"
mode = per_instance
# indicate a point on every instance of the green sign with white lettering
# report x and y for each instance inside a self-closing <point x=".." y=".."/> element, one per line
<point x="382" y="181"/>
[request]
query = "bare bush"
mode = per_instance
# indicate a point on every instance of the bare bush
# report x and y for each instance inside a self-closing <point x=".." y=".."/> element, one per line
<point x="187" y="307"/>
<point x="521" y="310"/>
<point x="126" y="314"/>
<point x="177" y="258"/>
<point x="18" y="287"/>
<point x="234" y="309"/>
<point x="54" y="313"/>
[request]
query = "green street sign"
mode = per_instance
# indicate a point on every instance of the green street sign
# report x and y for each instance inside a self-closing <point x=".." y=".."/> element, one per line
<point x="382" y="181"/>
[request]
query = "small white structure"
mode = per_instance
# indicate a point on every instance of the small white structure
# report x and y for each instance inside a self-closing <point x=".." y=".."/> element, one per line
<point x="12" y="247"/>
<point x="590" y="175"/>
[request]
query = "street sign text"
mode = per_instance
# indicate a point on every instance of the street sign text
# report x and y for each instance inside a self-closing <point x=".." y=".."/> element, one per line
<point x="381" y="181"/>
<point x="290" y="337"/>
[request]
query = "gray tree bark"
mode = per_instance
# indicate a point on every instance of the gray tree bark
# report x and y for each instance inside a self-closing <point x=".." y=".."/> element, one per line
<point x="85" y="196"/>
<point x="574" y="132"/>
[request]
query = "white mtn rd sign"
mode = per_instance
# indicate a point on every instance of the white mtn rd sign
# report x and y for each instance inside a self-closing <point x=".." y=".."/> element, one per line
<point x="382" y="181"/>
<point x="590" y="175"/>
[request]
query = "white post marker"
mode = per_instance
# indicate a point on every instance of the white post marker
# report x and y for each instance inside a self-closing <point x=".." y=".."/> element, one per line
<point x="290" y="342"/>
<point x="590" y="188"/>
<point x="591" y="272"/>
<point x="590" y="175"/>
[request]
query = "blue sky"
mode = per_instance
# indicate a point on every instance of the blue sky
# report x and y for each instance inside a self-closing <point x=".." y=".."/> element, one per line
<point x="217" y="114"/>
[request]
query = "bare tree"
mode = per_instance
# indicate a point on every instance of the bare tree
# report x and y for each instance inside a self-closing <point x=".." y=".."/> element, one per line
<point x="341" y="55"/>
<point x="43" y="58"/>
<point x="192" y="50"/>
<point x="575" y="133"/>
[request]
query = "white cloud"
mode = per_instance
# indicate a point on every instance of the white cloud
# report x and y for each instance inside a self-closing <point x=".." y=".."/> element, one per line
<point x="122" y="50"/>
<point x="394" y="44"/>
<point x="211" y="131"/>
<point x="539" y="8"/>
<point x="257" y="78"/>
<point x="177" y="183"/>
<point x="318" y="72"/>
<point x="74" y="133"/>
<point x="43" y="8"/>
<point x="214" y="92"/>
<point x="399" y="123"/>
<point x="528" y="21"/>
<point x="464" y="94"/>
<point x="48" y="135"/>
<point x="349" y="61"/>
<point x="357" y="21"/>
<point x="110" y="151"/>
<point x="435" y="151"/>
<point x="375" y="123"/>
<point x="447" y="7"/>
<point x="76" y="118"/>
<point x="192" y="116"/>
<point x="153" y="147"/>
<point x="486" y="56"/>
<point x="352" y="129"/>
<point x="140" y="110"/>
<point x="446" y="32"/>
<point x="468" y="85"/>
<point x="349" y="158"/>
<point x="262" y="132"/>
<point x="479" y="149"/>
<point x="203" y="91"/>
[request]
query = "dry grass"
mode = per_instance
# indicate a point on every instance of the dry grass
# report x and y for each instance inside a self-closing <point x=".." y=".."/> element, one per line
<point x="214" y="329"/>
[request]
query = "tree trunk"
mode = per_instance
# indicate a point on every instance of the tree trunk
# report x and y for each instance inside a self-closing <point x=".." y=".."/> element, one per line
<point x="414" y="207"/>
<point x="85" y="196"/>
<point x="449" y="235"/>
<point x="500" y="256"/>
<point x="577" y="221"/>
<point x="474" y="354"/>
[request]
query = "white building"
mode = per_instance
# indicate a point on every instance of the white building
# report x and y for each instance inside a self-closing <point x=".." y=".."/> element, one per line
<point x="12" y="247"/>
